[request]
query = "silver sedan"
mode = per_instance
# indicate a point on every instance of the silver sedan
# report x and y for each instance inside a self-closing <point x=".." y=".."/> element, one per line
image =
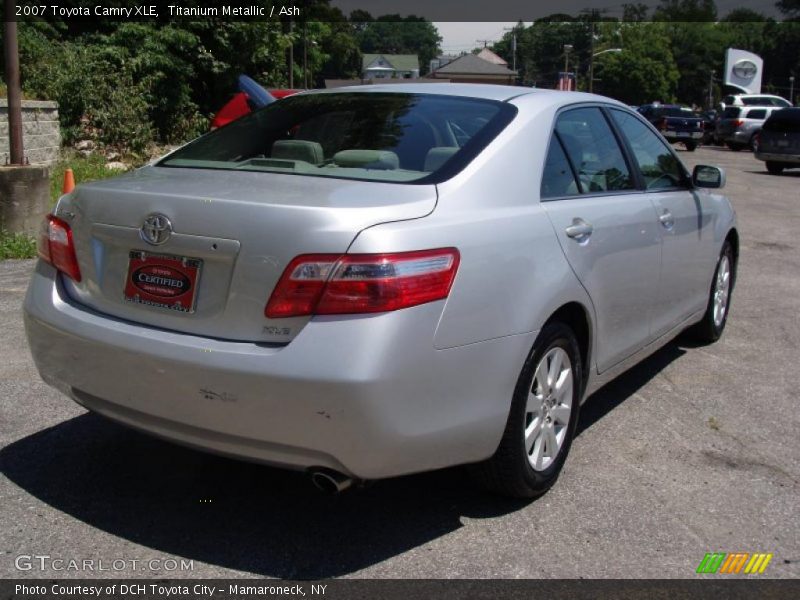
<point x="383" y="280"/>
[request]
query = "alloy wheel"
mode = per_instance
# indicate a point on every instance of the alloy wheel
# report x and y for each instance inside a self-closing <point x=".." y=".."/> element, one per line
<point x="548" y="409"/>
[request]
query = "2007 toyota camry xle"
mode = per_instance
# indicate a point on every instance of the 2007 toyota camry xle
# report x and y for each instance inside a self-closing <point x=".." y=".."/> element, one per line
<point x="383" y="280"/>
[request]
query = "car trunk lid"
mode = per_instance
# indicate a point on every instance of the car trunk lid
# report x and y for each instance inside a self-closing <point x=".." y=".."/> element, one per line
<point x="232" y="234"/>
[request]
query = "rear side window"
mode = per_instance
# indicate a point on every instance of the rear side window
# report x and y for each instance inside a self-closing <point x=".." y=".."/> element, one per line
<point x="786" y="120"/>
<point x="731" y="112"/>
<point x="758" y="113"/>
<point x="659" y="166"/>
<point x="593" y="151"/>
<point x="373" y="136"/>
<point x="558" y="178"/>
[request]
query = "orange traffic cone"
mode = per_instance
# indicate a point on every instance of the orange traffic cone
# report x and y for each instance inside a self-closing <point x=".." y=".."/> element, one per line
<point x="69" y="182"/>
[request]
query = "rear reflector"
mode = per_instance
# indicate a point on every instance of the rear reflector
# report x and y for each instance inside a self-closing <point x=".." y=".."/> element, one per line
<point x="332" y="284"/>
<point x="56" y="246"/>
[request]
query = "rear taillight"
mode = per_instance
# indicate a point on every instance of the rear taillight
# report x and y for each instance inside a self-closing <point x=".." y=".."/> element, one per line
<point x="57" y="248"/>
<point x="329" y="284"/>
<point x="738" y="123"/>
<point x="661" y="124"/>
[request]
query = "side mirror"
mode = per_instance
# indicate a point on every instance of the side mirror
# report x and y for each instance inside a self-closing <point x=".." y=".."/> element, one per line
<point x="705" y="176"/>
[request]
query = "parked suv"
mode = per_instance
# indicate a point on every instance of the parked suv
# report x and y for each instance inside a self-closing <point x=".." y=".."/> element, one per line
<point x="754" y="100"/>
<point x="779" y="146"/>
<point x="739" y="125"/>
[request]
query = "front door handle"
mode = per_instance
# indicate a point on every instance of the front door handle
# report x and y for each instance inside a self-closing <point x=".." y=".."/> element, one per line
<point x="666" y="219"/>
<point x="580" y="230"/>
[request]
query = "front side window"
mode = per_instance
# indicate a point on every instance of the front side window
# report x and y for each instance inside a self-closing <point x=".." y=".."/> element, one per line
<point x="593" y="151"/>
<point x="659" y="166"/>
<point x="373" y="136"/>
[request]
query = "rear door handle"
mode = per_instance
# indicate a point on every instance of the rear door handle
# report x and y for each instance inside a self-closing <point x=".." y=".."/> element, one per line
<point x="580" y="230"/>
<point x="666" y="219"/>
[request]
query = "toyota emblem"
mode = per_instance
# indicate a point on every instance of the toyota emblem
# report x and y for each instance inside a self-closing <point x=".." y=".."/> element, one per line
<point x="156" y="229"/>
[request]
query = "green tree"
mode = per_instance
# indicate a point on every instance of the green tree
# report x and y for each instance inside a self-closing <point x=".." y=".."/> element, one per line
<point x="645" y="71"/>
<point x="393" y="34"/>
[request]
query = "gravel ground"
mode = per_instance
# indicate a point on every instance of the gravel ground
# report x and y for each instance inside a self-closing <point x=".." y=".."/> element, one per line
<point x="695" y="450"/>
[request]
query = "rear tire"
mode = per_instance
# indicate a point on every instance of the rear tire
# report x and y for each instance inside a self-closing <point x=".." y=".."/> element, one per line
<point x="691" y="146"/>
<point x="774" y="168"/>
<point x="542" y="419"/>
<point x="710" y="328"/>
<point x="733" y="146"/>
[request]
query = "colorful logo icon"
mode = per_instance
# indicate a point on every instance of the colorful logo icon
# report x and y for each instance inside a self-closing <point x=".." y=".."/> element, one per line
<point x="734" y="563"/>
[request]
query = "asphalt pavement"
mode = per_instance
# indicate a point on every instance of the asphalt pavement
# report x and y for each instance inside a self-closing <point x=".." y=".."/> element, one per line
<point x="695" y="450"/>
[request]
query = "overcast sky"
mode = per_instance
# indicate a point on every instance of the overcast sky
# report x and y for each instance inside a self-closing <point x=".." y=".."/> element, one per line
<point x="460" y="37"/>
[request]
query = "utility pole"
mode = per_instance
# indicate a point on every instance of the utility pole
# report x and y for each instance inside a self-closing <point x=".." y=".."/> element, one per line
<point x="567" y="49"/>
<point x="591" y="59"/>
<point x="11" y="48"/>
<point x="711" y="90"/>
<point x="791" y="90"/>
<point x="291" y="53"/>
<point x="305" y="55"/>
<point x="513" y="31"/>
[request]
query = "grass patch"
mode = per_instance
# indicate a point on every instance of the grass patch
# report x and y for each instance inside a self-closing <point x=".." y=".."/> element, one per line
<point x="85" y="169"/>
<point x="16" y="245"/>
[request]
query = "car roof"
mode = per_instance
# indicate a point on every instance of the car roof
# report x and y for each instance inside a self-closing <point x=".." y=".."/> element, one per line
<point x="487" y="91"/>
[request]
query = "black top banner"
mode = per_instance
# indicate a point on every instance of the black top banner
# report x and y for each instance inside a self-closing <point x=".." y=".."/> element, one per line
<point x="331" y="10"/>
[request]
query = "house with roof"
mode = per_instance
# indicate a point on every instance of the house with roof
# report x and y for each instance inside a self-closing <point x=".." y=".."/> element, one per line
<point x="487" y="54"/>
<point x="470" y="68"/>
<point x="390" y="66"/>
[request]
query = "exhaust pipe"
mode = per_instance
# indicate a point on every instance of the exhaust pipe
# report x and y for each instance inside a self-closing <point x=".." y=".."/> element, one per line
<point x="330" y="481"/>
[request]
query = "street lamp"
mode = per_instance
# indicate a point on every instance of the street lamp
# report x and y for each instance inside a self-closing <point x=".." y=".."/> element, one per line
<point x="591" y="65"/>
<point x="567" y="50"/>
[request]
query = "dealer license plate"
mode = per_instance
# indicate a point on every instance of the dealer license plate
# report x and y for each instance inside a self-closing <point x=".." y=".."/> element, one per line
<point x="162" y="280"/>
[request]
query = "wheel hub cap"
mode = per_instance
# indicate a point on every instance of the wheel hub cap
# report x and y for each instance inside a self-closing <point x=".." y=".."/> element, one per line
<point x="722" y="288"/>
<point x="548" y="409"/>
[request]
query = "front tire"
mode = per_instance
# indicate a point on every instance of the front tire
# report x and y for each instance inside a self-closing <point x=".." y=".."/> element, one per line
<point x="691" y="146"/>
<point x="710" y="328"/>
<point x="542" y="419"/>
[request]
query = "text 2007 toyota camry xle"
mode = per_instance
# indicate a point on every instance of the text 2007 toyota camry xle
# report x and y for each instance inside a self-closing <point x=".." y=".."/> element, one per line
<point x="383" y="280"/>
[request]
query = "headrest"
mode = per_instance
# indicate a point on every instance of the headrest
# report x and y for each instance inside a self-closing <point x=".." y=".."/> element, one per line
<point x="367" y="159"/>
<point x="436" y="157"/>
<point x="310" y="152"/>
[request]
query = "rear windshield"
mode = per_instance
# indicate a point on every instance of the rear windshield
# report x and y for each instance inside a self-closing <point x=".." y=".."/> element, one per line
<point x="786" y="120"/>
<point x="371" y="136"/>
<point x="731" y="112"/>
<point x="674" y="111"/>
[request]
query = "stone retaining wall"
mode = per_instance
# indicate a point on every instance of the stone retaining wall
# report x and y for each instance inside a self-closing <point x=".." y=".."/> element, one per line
<point x="40" y="131"/>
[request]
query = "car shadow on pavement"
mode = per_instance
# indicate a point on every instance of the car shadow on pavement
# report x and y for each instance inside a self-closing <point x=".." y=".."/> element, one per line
<point x="250" y="517"/>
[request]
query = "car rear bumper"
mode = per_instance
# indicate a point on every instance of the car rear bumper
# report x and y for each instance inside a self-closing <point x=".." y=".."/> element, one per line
<point x="365" y="395"/>
<point x="679" y="136"/>
<point x="736" y="137"/>
<point x="777" y="157"/>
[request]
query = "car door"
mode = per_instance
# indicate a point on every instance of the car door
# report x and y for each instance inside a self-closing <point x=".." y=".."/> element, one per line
<point x="607" y="229"/>
<point x="685" y="226"/>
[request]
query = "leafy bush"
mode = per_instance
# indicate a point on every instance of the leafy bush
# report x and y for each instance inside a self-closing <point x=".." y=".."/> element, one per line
<point x="16" y="245"/>
<point x="135" y="83"/>
<point x="84" y="169"/>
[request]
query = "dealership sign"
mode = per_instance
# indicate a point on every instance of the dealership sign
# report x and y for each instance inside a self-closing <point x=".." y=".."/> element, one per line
<point x="743" y="70"/>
